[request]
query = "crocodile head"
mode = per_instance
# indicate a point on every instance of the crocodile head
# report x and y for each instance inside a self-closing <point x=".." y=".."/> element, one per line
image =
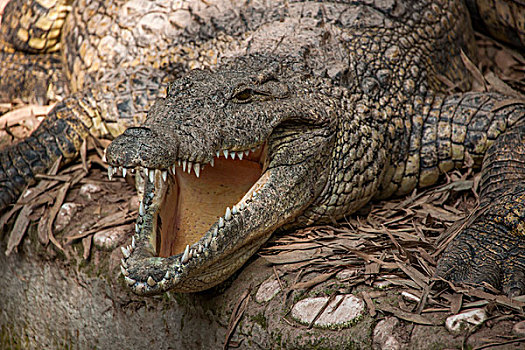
<point x="229" y="156"/>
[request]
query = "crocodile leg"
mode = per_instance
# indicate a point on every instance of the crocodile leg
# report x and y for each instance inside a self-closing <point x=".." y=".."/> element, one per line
<point x="491" y="246"/>
<point x="502" y="19"/>
<point x="105" y="110"/>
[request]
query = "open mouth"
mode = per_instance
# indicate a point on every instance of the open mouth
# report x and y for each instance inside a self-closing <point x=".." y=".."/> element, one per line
<point x="185" y="207"/>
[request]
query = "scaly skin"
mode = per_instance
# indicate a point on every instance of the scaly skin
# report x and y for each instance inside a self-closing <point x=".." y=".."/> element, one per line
<point x="346" y="101"/>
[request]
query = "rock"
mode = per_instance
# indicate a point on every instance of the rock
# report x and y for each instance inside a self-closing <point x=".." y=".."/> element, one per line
<point x="346" y="274"/>
<point x="384" y="337"/>
<point x="65" y="214"/>
<point x="87" y="190"/>
<point x="519" y="328"/>
<point x="111" y="238"/>
<point x="267" y="290"/>
<point x="343" y="311"/>
<point x="460" y="321"/>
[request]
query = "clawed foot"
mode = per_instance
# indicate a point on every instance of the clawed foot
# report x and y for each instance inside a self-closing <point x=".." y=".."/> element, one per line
<point x="491" y="250"/>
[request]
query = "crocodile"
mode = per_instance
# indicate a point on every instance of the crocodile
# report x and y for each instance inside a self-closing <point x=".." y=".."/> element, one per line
<point x="246" y="118"/>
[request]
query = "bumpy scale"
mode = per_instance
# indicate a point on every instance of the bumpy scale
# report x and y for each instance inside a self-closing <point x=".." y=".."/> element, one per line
<point x="302" y="113"/>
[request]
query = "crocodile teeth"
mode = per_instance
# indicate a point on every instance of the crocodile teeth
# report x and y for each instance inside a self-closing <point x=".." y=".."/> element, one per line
<point x="191" y="253"/>
<point x="212" y="162"/>
<point x="146" y="173"/>
<point x="232" y="155"/>
<point x="133" y="242"/>
<point x="197" y="169"/>
<point x="184" y="164"/>
<point x="200" y="248"/>
<point x="246" y="152"/>
<point x="164" y="175"/>
<point x="235" y="210"/>
<point x="151" y="282"/>
<point x="167" y="275"/>
<point x="151" y="175"/>
<point x="129" y="281"/>
<point x="137" y="228"/>
<point x="190" y="165"/>
<point x="221" y="222"/>
<point x="253" y="150"/>
<point x="141" y="208"/>
<point x="104" y="159"/>
<point x="225" y="153"/>
<point x="124" y="271"/>
<point x="218" y="154"/>
<point x="125" y="252"/>
<point x="242" y="206"/>
<point x="228" y="214"/>
<point x="186" y="255"/>
<point x="173" y="169"/>
<point x="123" y="263"/>
<point x="124" y="171"/>
<point x="215" y="231"/>
<point x="110" y="172"/>
<point x="240" y="155"/>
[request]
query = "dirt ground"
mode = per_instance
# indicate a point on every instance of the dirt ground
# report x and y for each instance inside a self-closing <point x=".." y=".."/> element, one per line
<point x="63" y="237"/>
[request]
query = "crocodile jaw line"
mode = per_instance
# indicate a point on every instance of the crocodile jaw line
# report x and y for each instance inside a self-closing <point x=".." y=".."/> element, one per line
<point x="210" y="257"/>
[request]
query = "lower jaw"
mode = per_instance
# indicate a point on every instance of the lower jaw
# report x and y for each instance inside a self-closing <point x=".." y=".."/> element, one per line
<point x="192" y="205"/>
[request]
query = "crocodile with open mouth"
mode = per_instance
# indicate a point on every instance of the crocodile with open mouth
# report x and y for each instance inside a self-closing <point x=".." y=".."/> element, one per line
<point x="310" y="113"/>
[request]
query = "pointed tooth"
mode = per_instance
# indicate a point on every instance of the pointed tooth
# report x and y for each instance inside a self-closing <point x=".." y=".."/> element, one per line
<point x="218" y="154"/>
<point x="240" y="155"/>
<point x="197" y="168"/>
<point x="110" y="172"/>
<point x="184" y="164"/>
<point x="192" y="253"/>
<point x="235" y="211"/>
<point x="104" y="159"/>
<point x="133" y="245"/>
<point x="167" y="275"/>
<point x="242" y="206"/>
<point x="124" y="171"/>
<point x="151" y="282"/>
<point x="212" y="162"/>
<point x="151" y="175"/>
<point x="221" y="222"/>
<point x="124" y="271"/>
<point x="123" y="263"/>
<point x="215" y="231"/>
<point x="225" y="153"/>
<point x="164" y="175"/>
<point x="232" y="155"/>
<point x="137" y="228"/>
<point x="253" y="150"/>
<point x="141" y="208"/>
<point x="125" y="252"/>
<point x="228" y="214"/>
<point x="186" y="255"/>
<point x="146" y="172"/>
<point x="200" y="248"/>
<point x="173" y="169"/>
<point x="246" y="152"/>
<point x="129" y="281"/>
<point x="190" y="165"/>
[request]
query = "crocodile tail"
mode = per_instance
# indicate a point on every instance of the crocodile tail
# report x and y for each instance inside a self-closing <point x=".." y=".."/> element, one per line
<point x="35" y="25"/>
<point x="61" y="134"/>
